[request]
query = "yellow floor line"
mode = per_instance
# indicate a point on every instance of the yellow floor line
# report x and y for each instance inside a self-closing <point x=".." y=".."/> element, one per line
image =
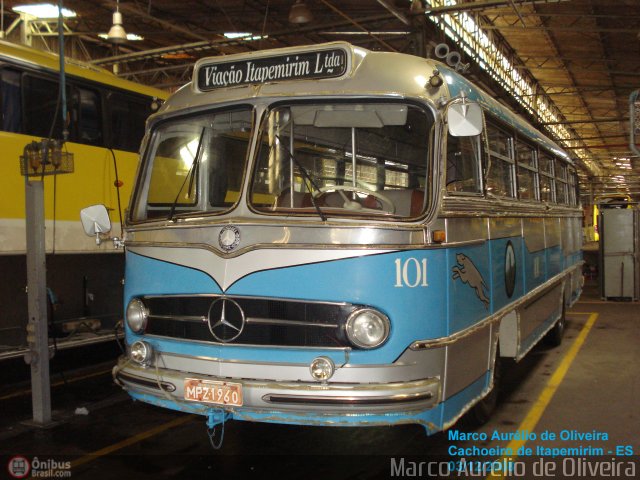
<point x="27" y="391"/>
<point x="538" y="408"/>
<point x="131" y="440"/>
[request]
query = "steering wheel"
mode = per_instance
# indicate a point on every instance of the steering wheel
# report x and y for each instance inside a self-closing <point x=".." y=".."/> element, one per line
<point x="386" y="204"/>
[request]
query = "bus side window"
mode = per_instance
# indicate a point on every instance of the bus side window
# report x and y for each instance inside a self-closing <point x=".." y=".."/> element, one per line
<point x="573" y="187"/>
<point x="527" y="171"/>
<point x="127" y="116"/>
<point x="562" y="194"/>
<point x="11" y="100"/>
<point x="500" y="174"/>
<point x="463" y="164"/>
<point x="40" y="100"/>
<point x="547" y="182"/>
<point x="87" y="117"/>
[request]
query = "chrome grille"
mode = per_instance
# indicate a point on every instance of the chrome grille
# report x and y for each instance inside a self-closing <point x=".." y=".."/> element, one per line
<point x="267" y="322"/>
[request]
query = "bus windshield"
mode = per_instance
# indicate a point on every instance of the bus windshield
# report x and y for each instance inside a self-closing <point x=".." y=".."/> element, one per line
<point x="195" y="164"/>
<point x="308" y="154"/>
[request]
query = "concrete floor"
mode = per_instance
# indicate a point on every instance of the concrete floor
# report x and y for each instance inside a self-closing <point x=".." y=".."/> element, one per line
<point x="598" y="395"/>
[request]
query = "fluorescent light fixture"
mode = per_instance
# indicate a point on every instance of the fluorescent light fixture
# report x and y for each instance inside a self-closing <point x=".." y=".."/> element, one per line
<point x="237" y="34"/>
<point x="43" y="10"/>
<point x="130" y="36"/>
<point x="244" y="35"/>
<point x="359" y="33"/>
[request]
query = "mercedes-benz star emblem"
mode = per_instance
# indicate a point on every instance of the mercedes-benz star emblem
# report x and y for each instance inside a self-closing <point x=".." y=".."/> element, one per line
<point x="226" y="320"/>
<point x="229" y="238"/>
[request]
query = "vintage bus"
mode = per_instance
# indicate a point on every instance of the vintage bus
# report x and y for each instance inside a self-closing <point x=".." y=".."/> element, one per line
<point x="327" y="235"/>
<point x="106" y="118"/>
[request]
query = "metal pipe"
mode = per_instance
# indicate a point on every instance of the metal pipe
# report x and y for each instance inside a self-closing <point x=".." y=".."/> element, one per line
<point x="63" y="85"/>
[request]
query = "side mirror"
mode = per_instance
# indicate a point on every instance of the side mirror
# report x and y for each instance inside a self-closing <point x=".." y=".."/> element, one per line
<point x="95" y="220"/>
<point x="464" y="119"/>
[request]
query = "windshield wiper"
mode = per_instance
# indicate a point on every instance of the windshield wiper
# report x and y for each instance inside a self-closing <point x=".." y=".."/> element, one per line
<point x="307" y="176"/>
<point x="191" y="175"/>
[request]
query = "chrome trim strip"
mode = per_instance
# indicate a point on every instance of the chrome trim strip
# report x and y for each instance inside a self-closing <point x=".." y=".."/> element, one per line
<point x="243" y="220"/>
<point x="467" y="243"/>
<point x="288" y="323"/>
<point x="180" y="318"/>
<point x="347" y="400"/>
<point x="272" y="246"/>
<point x="145" y="382"/>
<point x="243" y="297"/>
<point x="443" y="341"/>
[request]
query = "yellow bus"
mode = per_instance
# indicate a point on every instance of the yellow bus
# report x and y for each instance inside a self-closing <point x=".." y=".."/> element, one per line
<point x="106" y="118"/>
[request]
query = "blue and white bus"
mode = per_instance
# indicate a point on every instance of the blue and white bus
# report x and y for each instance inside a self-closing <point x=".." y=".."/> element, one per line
<point x="326" y="235"/>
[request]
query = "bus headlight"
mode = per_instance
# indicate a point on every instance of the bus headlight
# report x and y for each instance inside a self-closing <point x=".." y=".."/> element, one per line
<point x="141" y="352"/>
<point x="137" y="315"/>
<point x="367" y="328"/>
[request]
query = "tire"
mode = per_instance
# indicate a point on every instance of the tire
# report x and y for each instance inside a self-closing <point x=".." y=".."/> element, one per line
<point x="553" y="338"/>
<point x="482" y="411"/>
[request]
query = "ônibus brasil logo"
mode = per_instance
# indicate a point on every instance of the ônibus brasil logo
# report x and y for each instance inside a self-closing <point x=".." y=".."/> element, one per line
<point x="19" y="467"/>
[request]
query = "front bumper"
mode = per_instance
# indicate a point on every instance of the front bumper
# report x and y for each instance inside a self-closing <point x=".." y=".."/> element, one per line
<point x="299" y="401"/>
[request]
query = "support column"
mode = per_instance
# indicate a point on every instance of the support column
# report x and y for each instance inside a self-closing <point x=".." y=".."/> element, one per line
<point x="37" y="332"/>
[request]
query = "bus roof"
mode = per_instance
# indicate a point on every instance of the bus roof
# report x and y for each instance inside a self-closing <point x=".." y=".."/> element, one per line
<point x="283" y="73"/>
<point x="457" y="84"/>
<point x="49" y="61"/>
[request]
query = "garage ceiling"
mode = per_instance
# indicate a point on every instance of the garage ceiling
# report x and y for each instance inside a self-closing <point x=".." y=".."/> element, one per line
<point x="569" y="65"/>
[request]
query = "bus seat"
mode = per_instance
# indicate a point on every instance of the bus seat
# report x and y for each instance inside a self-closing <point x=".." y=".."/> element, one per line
<point x="408" y="203"/>
<point x="330" y="199"/>
<point x="284" y="199"/>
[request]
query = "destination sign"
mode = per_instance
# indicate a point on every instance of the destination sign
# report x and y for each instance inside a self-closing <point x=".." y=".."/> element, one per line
<point x="296" y="66"/>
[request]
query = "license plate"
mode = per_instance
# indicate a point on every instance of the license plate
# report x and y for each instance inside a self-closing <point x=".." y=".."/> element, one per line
<point x="208" y="391"/>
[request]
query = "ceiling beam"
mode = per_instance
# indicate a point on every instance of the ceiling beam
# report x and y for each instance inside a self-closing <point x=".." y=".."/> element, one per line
<point x="358" y="25"/>
<point x="591" y="120"/>
<point x="170" y="26"/>
<point x="578" y="14"/>
<point x="580" y="69"/>
<point x="513" y="28"/>
<point x="217" y="44"/>
<point x="482" y="5"/>
<point x="395" y="12"/>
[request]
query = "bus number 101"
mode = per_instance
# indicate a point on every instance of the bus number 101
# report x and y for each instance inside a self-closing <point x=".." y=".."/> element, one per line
<point x="411" y="273"/>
